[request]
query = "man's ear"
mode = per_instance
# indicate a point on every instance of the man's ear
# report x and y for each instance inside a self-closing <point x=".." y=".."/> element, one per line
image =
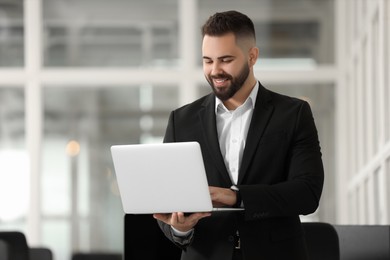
<point x="253" y="55"/>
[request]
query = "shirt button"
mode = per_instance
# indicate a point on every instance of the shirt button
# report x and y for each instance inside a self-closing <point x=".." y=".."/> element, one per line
<point x="234" y="141"/>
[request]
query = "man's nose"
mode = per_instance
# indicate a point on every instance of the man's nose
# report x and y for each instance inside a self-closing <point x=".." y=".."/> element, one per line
<point x="216" y="69"/>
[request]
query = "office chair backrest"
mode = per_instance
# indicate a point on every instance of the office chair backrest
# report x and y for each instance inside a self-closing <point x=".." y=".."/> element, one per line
<point x="322" y="241"/>
<point x="16" y="242"/>
<point x="362" y="242"/>
<point x="40" y="253"/>
<point x="96" y="256"/>
<point x="3" y="250"/>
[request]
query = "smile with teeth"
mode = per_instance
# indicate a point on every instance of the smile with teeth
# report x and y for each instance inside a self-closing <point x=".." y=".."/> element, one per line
<point x="220" y="80"/>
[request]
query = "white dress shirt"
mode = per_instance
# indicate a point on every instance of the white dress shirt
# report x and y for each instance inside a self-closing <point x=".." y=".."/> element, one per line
<point x="232" y="128"/>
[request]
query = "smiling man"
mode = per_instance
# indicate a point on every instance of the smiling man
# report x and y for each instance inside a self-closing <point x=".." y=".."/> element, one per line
<point x="261" y="153"/>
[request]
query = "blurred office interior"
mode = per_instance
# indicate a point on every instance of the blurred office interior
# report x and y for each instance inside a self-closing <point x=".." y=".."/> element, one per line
<point x="79" y="76"/>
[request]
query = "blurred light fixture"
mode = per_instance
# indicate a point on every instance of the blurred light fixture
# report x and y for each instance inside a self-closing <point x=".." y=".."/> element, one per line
<point x="73" y="148"/>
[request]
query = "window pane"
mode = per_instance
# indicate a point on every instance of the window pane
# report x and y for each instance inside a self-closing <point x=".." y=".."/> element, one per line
<point x="14" y="174"/>
<point x="11" y="33"/>
<point x="291" y="33"/>
<point x="56" y="236"/>
<point x="78" y="179"/>
<point x="110" y="33"/>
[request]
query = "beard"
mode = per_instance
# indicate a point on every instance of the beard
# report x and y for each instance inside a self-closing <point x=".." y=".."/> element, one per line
<point x="236" y="83"/>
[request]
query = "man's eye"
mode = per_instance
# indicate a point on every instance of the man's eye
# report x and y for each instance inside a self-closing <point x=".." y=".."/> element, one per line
<point x="227" y="60"/>
<point x="207" y="61"/>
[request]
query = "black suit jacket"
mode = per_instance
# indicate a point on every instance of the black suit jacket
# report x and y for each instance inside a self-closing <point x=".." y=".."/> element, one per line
<point x="281" y="177"/>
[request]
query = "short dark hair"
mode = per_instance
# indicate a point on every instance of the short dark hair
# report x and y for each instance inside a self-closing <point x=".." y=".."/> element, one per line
<point x="229" y="22"/>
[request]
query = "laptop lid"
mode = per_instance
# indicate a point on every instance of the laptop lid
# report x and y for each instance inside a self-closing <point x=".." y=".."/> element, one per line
<point x="161" y="178"/>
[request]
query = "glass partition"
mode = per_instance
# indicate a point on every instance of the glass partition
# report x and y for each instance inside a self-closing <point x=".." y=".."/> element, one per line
<point x="115" y="34"/>
<point x="80" y="199"/>
<point x="80" y="208"/>
<point x="297" y="33"/>
<point x="14" y="172"/>
<point x="11" y="34"/>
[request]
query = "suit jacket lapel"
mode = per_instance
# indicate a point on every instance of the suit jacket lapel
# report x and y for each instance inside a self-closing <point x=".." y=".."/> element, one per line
<point x="260" y="118"/>
<point x="209" y="129"/>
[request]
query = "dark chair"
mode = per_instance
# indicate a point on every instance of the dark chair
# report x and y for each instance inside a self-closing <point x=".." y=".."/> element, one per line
<point x="3" y="250"/>
<point x="13" y="246"/>
<point x="364" y="242"/>
<point x="40" y="253"/>
<point x="16" y="245"/>
<point x="143" y="239"/>
<point x="322" y="241"/>
<point x="96" y="256"/>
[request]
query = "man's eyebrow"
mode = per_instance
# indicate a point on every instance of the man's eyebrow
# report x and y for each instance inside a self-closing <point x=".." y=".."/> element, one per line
<point x="219" y="58"/>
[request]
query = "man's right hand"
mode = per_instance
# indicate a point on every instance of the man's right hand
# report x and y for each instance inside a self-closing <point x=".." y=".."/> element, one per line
<point x="181" y="221"/>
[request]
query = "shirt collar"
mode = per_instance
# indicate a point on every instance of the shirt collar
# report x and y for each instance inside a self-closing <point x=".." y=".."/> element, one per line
<point x="252" y="97"/>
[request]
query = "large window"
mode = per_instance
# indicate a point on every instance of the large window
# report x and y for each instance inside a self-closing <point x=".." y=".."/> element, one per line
<point x="14" y="178"/>
<point x="11" y="34"/>
<point x="79" y="187"/>
<point x="111" y="71"/>
<point x="289" y="33"/>
<point x="119" y="33"/>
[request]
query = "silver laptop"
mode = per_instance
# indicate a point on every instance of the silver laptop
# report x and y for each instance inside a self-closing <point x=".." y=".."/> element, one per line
<point x="162" y="178"/>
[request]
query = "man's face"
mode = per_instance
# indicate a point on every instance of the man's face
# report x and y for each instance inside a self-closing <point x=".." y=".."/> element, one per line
<point x="224" y="65"/>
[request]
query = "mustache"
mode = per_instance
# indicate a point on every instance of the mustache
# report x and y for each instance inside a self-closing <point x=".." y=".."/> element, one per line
<point x="221" y="76"/>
